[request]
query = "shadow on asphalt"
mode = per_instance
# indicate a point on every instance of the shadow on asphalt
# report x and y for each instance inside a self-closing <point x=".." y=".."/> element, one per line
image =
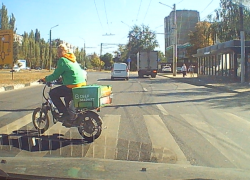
<point x="122" y="79"/>
<point x="57" y="145"/>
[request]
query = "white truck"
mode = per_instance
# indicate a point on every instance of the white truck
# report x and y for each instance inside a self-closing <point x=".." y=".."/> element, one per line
<point x="147" y="63"/>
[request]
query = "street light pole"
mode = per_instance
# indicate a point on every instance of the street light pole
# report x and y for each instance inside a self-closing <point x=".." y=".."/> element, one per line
<point x="50" y="47"/>
<point x="84" y="56"/>
<point x="175" y="53"/>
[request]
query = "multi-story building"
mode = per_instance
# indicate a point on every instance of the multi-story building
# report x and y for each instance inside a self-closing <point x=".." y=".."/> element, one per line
<point x="18" y="38"/>
<point x="186" y="21"/>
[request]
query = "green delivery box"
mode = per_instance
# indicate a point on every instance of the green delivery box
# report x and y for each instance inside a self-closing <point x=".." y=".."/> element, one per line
<point x="92" y="96"/>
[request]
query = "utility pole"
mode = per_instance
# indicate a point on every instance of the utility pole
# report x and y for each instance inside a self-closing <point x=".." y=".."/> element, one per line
<point x="101" y="50"/>
<point x="50" y="47"/>
<point x="175" y="53"/>
<point x="84" y="55"/>
<point x="242" y="41"/>
<point x="50" y="50"/>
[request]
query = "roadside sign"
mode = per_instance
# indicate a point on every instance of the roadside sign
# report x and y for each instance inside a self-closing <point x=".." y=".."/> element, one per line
<point x="128" y="60"/>
<point x="6" y="46"/>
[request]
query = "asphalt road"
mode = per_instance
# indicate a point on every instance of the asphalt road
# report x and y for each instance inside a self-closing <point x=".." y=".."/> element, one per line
<point x="151" y="120"/>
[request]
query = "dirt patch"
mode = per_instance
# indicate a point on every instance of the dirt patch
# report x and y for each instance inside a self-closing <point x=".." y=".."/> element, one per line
<point x="8" y="78"/>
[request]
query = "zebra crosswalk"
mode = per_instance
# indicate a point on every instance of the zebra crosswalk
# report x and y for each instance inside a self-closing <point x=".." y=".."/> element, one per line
<point x="20" y="139"/>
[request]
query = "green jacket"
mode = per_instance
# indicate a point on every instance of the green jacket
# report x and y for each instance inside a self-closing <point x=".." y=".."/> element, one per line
<point x="70" y="70"/>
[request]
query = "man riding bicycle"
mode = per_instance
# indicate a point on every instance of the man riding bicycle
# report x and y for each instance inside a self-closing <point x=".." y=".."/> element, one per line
<point x="72" y="76"/>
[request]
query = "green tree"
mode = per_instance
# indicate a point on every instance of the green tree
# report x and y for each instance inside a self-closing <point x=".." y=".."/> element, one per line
<point x="96" y="61"/>
<point x="161" y="56"/>
<point x="42" y="49"/>
<point x="12" y="22"/>
<point x="123" y="51"/>
<point x="15" y="51"/>
<point x="37" y="36"/>
<point x="141" y="39"/>
<point x="107" y="59"/>
<point x="228" y="21"/>
<point x="4" y="18"/>
<point x="31" y="49"/>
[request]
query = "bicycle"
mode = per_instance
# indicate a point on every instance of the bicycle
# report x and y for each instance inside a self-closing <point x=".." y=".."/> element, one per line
<point x="88" y="122"/>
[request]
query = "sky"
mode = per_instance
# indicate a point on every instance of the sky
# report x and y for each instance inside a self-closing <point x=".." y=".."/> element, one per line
<point x="98" y="21"/>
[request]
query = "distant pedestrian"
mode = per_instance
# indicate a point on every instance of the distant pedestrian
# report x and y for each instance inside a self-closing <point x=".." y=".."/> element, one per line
<point x="201" y="69"/>
<point x="191" y="70"/>
<point x="184" y="70"/>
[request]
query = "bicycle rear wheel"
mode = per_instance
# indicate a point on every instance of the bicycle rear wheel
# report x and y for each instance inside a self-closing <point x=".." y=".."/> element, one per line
<point x="40" y="120"/>
<point x="90" y="126"/>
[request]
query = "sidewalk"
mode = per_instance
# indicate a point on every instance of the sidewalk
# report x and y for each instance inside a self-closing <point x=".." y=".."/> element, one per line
<point x="220" y="83"/>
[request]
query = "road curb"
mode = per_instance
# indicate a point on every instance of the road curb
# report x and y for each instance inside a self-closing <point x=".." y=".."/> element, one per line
<point x="18" y="86"/>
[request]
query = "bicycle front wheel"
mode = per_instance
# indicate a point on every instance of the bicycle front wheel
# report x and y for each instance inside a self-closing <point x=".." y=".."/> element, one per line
<point x="40" y="120"/>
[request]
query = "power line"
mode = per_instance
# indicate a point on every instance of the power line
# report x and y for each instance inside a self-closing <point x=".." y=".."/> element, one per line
<point x="147" y="10"/>
<point x="98" y="14"/>
<point x="207" y="15"/>
<point x="180" y="2"/>
<point x="207" y="6"/>
<point x="106" y="12"/>
<point x="138" y="10"/>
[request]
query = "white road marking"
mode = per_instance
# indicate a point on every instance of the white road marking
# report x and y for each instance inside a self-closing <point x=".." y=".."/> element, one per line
<point x="15" y="125"/>
<point x="105" y="145"/>
<point x="3" y="113"/>
<point x="231" y="150"/>
<point x="161" y="108"/>
<point x="161" y="138"/>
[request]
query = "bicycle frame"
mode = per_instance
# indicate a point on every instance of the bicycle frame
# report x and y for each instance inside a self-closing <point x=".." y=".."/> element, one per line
<point x="48" y="104"/>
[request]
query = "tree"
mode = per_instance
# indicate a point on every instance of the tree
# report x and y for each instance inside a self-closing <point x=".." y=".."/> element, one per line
<point x="37" y="36"/>
<point x="200" y="37"/>
<point x="107" y="59"/>
<point x="123" y="51"/>
<point x="15" y="51"/>
<point x="4" y="18"/>
<point x="96" y="61"/>
<point x="228" y="21"/>
<point x="141" y="39"/>
<point x="12" y="23"/>
<point x="161" y="56"/>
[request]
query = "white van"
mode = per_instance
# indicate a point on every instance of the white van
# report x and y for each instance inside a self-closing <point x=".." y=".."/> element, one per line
<point x="119" y="70"/>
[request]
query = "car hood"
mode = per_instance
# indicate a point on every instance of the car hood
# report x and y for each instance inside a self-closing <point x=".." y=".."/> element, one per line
<point x="92" y="168"/>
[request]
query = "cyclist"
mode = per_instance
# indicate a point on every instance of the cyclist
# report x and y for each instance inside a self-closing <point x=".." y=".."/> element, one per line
<point x="72" y="76"/>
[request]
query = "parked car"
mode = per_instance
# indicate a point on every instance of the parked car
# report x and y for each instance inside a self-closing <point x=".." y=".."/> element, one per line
<point x="178" y="70"/>
<point x="120" y="70"/>
<point x="166" y="69"/>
